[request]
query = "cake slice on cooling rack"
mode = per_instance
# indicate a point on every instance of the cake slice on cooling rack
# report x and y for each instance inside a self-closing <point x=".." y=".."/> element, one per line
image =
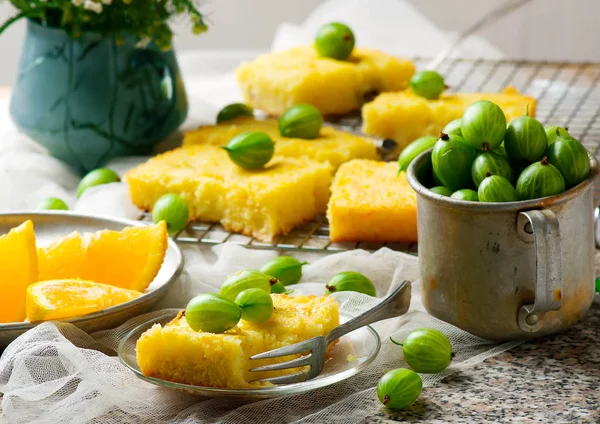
<point x="371" y="202"/>
<point x="333" y="146"/>
<point x="259" y="203"/>
<point x="177" y="353"/>
<point x="404" y="117"/>
<point x="276" y="81"/>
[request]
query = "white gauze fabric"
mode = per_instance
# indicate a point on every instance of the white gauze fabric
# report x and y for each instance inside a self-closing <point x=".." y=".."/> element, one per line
<point x="56" y="373"/>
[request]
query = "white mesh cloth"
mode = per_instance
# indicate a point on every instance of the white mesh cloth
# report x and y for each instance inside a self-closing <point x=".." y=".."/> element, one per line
<point x="56" y="373"/>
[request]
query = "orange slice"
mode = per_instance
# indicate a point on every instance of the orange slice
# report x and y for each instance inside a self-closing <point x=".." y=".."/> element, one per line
<point x="129" y="259"/>
<point x="18" y="263"/>
<point x="59" y="299"/>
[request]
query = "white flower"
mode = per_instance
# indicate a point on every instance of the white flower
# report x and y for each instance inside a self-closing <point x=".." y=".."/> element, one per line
<point x="77" y="3"/>
<point x="93" y="6"/>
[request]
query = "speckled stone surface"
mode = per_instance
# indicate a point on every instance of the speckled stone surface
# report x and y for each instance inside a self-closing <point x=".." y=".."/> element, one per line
<point x="551" y="380"/>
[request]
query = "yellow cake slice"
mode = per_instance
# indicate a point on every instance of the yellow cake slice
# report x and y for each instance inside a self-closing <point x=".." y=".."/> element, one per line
<point x="370" y="201"/>
<point x="276" y="81"/>
<point x="404" y="117"/>
<point x="261" y="203"/>
<point x="177" y="353"/>
<point x="333" y="146"/>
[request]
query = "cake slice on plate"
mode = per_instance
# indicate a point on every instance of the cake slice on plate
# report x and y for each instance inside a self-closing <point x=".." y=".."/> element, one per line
<point x="177" y="353"/>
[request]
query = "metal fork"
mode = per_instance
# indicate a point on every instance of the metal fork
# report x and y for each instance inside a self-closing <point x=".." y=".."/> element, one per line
<point x="395" y="304"/>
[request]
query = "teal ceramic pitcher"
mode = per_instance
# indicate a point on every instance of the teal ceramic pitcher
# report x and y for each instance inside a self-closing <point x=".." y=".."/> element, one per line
<point x="90" y="99"/>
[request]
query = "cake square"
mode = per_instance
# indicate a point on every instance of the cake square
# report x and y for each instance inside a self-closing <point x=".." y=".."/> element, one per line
<point x="333" y="146"/>
<point x="260" y="203"/>
<point x="276" y="81"/>
<point x="371" y="202"/>
<point x="404" y="117"/>
<point x="177" y="353"/>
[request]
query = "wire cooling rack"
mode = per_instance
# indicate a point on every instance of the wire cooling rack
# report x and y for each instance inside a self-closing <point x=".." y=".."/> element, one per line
<point x="568" y="95"/>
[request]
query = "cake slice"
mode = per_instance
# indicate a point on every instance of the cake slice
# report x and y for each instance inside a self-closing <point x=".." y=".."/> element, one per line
<point x="333" y="146"/>
<point x="276" y="81"/>
<point x="371" y="202"/>
<point x="260" y="203"/>
<point x="177" y="353"/>
<point x="404" y="117"/>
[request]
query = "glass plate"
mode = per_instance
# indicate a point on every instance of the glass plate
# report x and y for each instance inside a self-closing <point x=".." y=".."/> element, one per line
<point x="354" y="352"/>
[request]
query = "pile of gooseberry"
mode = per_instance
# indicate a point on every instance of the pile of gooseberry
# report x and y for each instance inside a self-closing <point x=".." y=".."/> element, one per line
<point x="479" y="158"/>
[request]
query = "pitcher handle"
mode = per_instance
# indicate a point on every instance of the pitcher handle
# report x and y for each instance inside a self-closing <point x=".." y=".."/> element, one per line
<point x="543" y="227"/>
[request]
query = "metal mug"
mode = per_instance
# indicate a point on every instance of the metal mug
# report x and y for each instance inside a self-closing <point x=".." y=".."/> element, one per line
<point x="505" y="271"/>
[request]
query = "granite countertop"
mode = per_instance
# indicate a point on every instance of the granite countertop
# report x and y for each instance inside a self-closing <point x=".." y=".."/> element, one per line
<point x="554" y="379"/>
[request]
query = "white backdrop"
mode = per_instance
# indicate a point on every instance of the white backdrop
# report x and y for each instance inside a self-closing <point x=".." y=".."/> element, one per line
<point x="545" y="29"/>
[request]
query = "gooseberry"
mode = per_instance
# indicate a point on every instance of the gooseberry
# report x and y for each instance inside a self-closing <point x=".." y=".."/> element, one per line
<point x="490" y="163"/>
<point x="256" y="305"/>
<point x="97" y="177"/>
<point x="525" y="140"/>
<point x="495" y="188"/>
<point x="350" y="281"/>
<point x="399" y="388"/>
<point x="483" y="125"/>
<point x="334" y="40"/>
<point x="428" y="84"/>
<point x="453" y="127"/>
<point x="413" y="150"/>
<point x="441" y="190"/>
<point x="250" y="150"/>
<point x="172" y="209"/>
<point x="234" y="110"/>
<point x="52" y="203"/>
<point x="212" y="313"/>
<point x="466" y="194"/>
<point x="570" y="157"/>
<point x="540" y="179"/>
<point x="301" y="121"/>
<point x="246" y="279"/>
<point x="286" y="269"/>
<point x="426" y="350"/>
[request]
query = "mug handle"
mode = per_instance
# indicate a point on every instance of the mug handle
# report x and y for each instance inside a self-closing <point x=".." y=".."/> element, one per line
<point x="541" y="227"/>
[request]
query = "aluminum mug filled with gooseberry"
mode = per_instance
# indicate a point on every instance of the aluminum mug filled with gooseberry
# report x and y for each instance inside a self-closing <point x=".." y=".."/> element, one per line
<point x="505" y="216"/>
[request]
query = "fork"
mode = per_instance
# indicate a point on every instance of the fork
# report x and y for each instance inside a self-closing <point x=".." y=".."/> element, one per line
<point x="395" y="304"/>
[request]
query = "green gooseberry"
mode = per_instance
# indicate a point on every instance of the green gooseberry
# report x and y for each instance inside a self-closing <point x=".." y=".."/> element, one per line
<point x="286" y="269"/>
<point x="250" y="150"/>
<point x="413" y="150"/>
<point x="540" y="179"/>
<point x="526" y="140"/>
<point x="212" y="313"/>
<point x="491" y="163"/>
<point x="256" y="305"/>
<point x="453" y="127"/>
<point x="555" y="131"/>
<point x="234" y="110"/>
<point x="172" y="209"/>
<point x="301" y="121"/>
<point x="441" y="190"/>
<point x="495" y="189"/>
<point x="334" y="40"/>
<point x="570" y="157"/>
<point x="246" y="279"/>
<point x="96" y="177"/>
<point x="52" y="203"/>
<point x="428" y="84"/>
<point x="399" y="388"/>
<point x="466" y="194"/>
<point x="426" y="350"/>
<point x="483" y="125"/>
<point x="350" y="281"/>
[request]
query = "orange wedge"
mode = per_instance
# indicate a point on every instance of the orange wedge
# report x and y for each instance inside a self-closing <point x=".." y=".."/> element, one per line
<point x="129" y="259"/>
<point x="59" y="299"/>
<point x="18" y="265"/>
